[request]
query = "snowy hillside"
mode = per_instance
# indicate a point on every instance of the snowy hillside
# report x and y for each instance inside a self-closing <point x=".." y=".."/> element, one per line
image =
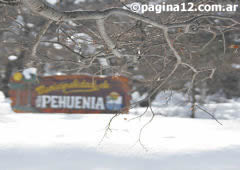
<point x="74" y="142"/>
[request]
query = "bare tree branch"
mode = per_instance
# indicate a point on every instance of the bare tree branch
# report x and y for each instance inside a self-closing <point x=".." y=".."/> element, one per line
<point x="38" y="38"/>
<point x="107" y="39"/>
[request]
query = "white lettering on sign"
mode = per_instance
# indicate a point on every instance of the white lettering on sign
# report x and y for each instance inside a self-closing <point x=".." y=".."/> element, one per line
<point x="70" y="102"/>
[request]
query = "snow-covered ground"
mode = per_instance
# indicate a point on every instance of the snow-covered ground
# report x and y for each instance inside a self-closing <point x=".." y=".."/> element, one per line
<point x="173" y="104"/>
<point x="74" y="142"/>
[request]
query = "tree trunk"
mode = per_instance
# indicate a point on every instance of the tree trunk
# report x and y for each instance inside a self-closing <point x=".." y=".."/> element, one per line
<point x="194" y="100"/>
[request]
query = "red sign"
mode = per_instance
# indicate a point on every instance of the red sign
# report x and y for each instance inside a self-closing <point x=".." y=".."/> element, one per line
<point x="69" y="94"/>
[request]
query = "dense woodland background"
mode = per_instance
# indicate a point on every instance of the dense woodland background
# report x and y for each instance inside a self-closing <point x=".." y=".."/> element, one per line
<point x="75" y="47"/>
